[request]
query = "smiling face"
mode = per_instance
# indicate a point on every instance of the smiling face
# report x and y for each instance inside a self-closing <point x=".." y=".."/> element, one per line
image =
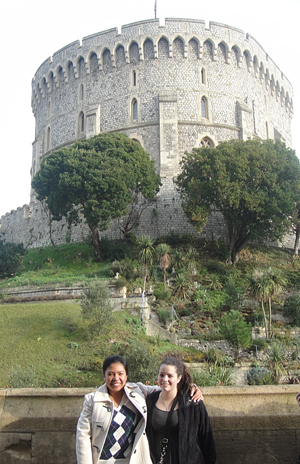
<point x="168" y="379"/>
<point x="115" y="377"/>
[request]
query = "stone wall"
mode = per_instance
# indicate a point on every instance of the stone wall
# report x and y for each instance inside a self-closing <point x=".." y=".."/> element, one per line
<point x="252" y="425"/>
<point x="30" y="224"/>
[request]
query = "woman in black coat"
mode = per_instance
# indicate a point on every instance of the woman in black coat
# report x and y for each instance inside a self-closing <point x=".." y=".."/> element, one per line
<point x="178" y="429"/>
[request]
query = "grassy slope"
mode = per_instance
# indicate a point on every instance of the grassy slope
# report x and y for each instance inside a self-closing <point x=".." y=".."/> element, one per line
<point x="70" y="263"/>
<point x="37" y="335"/>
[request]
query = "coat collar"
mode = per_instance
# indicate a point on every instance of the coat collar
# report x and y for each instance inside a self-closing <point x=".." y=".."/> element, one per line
<point x="102" y="394"/>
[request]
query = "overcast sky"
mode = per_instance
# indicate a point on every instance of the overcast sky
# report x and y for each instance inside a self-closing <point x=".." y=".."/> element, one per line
<point x="32" y="31"/>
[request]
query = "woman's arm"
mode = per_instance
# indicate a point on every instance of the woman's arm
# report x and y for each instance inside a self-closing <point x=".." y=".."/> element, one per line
<point x="196" y="393"/>
<point x="205" y="436"/>
<point x="84" y="432"/>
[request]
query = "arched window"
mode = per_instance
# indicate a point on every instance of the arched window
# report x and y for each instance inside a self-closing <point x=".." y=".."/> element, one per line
<point x="81" y="92"/>
<point x="206" y="142"/>
<point x="48" y="139"/>
<point x="134" y="109"/>
<point x="81" y="123"/>
<point x="134" y="78"/>
<point x="203" y="76"/>
<point x="204" y="109"/>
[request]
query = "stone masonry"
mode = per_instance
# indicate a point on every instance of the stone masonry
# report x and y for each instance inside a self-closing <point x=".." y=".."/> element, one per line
<point x="171" y="88"/>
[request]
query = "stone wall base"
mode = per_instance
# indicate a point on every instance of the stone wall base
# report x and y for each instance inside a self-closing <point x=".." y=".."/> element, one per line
<point x="252" y="425"/>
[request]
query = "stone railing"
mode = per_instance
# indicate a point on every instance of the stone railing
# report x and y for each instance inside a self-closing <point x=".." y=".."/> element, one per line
<point x="251" y="424"/>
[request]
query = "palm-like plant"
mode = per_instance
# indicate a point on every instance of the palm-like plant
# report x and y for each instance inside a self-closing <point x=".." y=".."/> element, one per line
<point x="263" y="286"/>
<point x="277" y="355"/>
<point x="162" y="251"/>
<point x="145" y="245"/>
<point x="177" y="258"/>
<point x="181" y="286"/>
<point x="214" y="282"/>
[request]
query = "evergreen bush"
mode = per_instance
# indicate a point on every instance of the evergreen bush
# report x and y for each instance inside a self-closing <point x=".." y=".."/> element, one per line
<point x="96" y="307"/>
<point x="235" y="330"/>
<point x="11" y="257"/>
<point x="142" y="362"/>
<point x="292" y="308"/>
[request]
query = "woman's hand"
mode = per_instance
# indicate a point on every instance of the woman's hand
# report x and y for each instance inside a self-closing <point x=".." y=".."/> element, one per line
<point x="196" y="394"/>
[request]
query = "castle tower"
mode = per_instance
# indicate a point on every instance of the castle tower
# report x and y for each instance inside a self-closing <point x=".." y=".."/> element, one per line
<point x="171" y="87"/>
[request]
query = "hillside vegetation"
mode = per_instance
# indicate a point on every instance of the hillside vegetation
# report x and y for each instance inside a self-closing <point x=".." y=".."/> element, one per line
<point x="46" y="343"/>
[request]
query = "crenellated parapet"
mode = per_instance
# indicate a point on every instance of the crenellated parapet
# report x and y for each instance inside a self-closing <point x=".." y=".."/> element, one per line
<point x="235" y="45"/>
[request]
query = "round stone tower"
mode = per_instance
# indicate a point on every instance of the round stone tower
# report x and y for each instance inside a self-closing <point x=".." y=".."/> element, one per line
<point x="171" y="87"/>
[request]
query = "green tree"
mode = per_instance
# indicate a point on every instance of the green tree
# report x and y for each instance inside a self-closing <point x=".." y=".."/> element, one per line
<point x="254" y="184"/>
<point x="96" y="307"/>
<point x="235" y="330"/>
<point x="145" y="246"/>
<point x="162" y="251"/>
<point x="99" y="178"/>
<point x="11" y="257"/>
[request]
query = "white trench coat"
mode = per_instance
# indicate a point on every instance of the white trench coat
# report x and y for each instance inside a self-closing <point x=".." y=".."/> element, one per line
<point x="95" y="420"/>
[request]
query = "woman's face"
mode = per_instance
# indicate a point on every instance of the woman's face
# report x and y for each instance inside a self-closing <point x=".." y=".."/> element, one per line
<point x="115" y="377"/>
<point x="168" y="378"/>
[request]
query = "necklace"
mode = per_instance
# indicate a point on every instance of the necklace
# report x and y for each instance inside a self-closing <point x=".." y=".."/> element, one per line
<point x="169" y="404"/>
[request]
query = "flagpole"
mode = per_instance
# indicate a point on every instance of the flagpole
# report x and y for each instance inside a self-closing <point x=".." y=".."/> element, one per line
<point x="155" y="9"/>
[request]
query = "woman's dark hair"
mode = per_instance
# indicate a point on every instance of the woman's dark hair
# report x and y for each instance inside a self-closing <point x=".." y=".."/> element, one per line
<point x="113" y="359"/>
<point x="184" y="385"/>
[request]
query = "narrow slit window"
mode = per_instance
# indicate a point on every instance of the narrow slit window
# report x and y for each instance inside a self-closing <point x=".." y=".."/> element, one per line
<point x="204" y="111"/>
<point x="134" y="78"/>
<point x="134" y="109"/>
<point x="81" y="92"/>
<point x="48" y="139"/>
<point x="81" y="122"/>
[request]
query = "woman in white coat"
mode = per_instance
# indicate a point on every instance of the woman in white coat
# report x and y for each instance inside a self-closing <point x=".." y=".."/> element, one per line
<point x="111" y="427"/>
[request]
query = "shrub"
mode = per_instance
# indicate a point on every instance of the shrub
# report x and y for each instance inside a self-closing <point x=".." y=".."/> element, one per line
<point x="142" y="362"/>
<point x="96" y="307"/>
<point x="292" y="308"/>
<point x="235" y="330"/>
<point x="231" y="290"/>
<point x="112" y="250"/>
<point x="215" y="267"/>
<point x="211" y="300"/>
<point x="212" y="376"/>
<point x="222" y="250"/>
<point x="160" y="293"/>
<point x="259" y="376"/>
<point x="22" y="378"/>
<point x="11" y="257"/>
<point x="259" y="344"/>
<point x="163" y="315"/>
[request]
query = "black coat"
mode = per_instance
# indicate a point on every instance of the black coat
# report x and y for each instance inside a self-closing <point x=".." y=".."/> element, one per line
<point x="194" y="443"/>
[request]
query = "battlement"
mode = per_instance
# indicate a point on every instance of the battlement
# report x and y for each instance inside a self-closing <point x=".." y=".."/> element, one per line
<point x="236" y="43"/>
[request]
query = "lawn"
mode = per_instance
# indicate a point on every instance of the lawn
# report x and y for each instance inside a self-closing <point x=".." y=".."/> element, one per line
<point x="37" y="335"/>
<point x="49" y="338"/>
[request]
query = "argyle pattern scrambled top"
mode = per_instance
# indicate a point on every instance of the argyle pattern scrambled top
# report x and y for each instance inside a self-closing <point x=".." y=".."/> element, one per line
<point x="118" y="442"/>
